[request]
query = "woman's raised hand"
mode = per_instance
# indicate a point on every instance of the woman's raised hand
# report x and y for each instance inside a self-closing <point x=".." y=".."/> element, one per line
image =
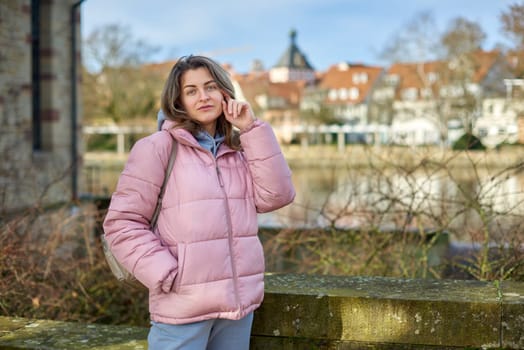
<point x="238" y="113"/>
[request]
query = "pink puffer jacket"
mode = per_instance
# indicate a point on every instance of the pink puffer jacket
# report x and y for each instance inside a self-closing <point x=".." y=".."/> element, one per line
<point x="208" y="262"/>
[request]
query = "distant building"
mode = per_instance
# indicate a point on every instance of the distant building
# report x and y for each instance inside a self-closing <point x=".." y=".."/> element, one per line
<point x="292" y="65"/>
<point x="407" y="103"/>
<point x="39" y="116"/>
<point x="438" y="101"/>
<point x="277" y="103"/>
<point x="418" y="103"/>
<point x="275" y="95"/>
<point x="413" y="118"/>
<point x="499" y="121"/>
<point x="348" y="90"/>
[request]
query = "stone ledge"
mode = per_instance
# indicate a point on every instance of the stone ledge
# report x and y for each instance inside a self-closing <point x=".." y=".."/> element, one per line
<point x="435" y="314"/>
<point x="335" y="313"/>
<point x="19" y="333"/>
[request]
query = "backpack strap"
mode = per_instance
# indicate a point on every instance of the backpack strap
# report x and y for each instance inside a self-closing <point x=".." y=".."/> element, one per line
<point x="169" y="168"/>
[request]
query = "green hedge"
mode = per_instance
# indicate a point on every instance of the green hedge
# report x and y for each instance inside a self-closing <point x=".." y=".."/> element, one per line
<point x="468" y="142"/>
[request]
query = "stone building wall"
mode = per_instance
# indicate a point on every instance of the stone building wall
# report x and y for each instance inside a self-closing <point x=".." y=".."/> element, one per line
<point x="36" y="173"/>
<point x="520" y="122"/>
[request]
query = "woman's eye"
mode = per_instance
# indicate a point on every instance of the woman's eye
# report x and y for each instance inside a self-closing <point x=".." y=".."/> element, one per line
<point x="211" y="87"/>
<point x="190" y="92"/>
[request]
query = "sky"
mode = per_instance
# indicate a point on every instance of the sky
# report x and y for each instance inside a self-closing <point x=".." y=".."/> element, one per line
<point x="238" y="32"/>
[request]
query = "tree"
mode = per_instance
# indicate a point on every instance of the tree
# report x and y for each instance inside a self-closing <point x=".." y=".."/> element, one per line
<point x="462" y="43"/>
<point x="462" y="37"/>
<point x="380" y="108"/>
<point x="415" y="42"/>
<point x="513" y="24"/>
<point x="442" y="72"/>
<point x="116" y="86"/>
<point x="113" y="46"/>
<point x="513" y="27"/>
<point x="468" y="141"/>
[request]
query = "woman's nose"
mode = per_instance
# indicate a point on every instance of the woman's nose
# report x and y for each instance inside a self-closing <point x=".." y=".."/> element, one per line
<point x="204" y="95"/>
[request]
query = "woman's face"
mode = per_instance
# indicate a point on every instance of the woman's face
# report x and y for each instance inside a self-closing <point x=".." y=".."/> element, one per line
<point x="201" y="98"/>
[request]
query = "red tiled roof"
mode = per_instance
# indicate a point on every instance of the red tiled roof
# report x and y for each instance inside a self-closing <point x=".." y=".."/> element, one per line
<point x="485" y="61"/>
<point x="342" y="76"/>
<point x="255" y="84"/>
<point x="412" y="74"/>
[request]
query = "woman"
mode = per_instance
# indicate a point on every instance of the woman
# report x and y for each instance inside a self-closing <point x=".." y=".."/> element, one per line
<point x="204" y="263"/>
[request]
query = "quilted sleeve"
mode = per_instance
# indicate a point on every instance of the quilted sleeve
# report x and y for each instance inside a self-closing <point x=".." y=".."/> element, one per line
<point x="268" y="167"/>
<point x="127" y="223"/>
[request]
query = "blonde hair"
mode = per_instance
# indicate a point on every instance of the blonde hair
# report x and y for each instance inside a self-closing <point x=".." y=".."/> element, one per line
<point x="171" y="103"/>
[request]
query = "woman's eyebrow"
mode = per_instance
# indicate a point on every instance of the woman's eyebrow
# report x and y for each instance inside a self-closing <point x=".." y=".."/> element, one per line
<point x="194" y="85"/>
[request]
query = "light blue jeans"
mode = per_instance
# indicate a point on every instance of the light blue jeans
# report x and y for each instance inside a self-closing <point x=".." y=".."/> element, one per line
<point x="216" y="334"/>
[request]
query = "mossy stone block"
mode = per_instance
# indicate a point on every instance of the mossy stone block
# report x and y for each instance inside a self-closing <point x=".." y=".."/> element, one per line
<point x="54" y="335"/>
<point x="512" y="334"/>
<point x="381" y="310"/>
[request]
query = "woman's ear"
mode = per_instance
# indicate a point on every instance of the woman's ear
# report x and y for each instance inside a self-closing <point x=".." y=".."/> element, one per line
<point x="225" y="95"/>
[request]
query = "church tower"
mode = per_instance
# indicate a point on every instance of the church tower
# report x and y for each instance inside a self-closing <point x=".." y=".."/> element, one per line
<point x="292" y="66"/>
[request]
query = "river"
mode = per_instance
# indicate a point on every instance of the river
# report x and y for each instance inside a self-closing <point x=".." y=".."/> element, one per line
<point x="462" y="201"/>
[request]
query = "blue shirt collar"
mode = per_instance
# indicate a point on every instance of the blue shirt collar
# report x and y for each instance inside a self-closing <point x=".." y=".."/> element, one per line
<point x="209" y="142"/>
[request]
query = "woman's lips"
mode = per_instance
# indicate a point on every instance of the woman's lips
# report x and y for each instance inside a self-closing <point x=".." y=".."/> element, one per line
<point x="206" y="107"/>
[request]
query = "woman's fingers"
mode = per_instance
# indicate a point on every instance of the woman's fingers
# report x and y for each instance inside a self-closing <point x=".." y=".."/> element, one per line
<point x="224" y="107"/>
<point x="233" y="108"/>
<point x="227" y="103"/>
<point x="239" y="108"/>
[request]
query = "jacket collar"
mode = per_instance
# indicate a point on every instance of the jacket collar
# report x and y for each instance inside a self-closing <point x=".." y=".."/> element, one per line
<point x="185" y="137"/>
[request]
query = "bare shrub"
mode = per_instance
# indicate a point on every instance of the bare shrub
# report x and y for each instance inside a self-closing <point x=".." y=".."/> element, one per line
<point x="52" y="266"/>
<point x="347" y="252"/>
<point x="392" y="216"/>
<point x="394" y="207"/>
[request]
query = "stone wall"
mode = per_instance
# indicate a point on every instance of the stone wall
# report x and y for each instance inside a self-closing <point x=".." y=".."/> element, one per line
<point x="329" y="312"/>
<point x="30" y="173"/>
<point x="333" y="313"/>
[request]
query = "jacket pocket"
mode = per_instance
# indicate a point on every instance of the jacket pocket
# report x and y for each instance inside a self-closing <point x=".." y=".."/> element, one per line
<point x="181" y="260"/>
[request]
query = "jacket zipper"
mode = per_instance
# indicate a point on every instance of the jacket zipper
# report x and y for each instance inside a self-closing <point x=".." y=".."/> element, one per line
<point x="228" y="219"/>
<point x="230" y="235"/>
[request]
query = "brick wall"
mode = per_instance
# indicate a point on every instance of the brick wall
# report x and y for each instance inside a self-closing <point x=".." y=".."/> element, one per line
<point x="40" y="176"/>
